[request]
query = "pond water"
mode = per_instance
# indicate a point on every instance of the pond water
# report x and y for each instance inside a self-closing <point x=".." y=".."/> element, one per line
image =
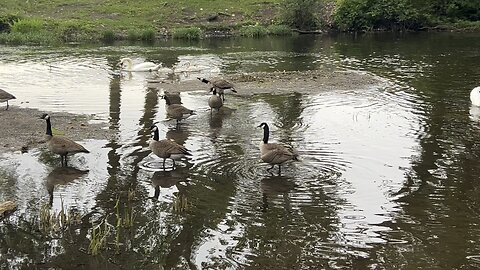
<point x="388" y="175"/>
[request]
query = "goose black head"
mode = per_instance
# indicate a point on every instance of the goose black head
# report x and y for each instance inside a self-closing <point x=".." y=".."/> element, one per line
<point x="263" y="125"/>
<point x="153" y="128"/>
<point x="45" y="116"/>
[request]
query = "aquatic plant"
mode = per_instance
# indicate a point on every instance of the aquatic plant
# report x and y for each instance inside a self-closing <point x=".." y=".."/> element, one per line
<point x="279" y="30"/>
<point x="98" y="237"/>
<point x="51" y="222"/>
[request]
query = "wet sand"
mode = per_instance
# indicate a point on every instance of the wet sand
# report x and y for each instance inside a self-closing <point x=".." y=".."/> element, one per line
<point x="305" y="82"/>
<point x="23" y="130"/>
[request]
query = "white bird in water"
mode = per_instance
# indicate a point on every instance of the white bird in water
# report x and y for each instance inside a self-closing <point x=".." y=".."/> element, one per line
<point x="475" y="96"/>
<point x="126" y="64"/>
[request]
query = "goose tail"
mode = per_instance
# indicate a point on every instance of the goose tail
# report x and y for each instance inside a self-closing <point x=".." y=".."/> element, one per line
<point x="203" y="80"/>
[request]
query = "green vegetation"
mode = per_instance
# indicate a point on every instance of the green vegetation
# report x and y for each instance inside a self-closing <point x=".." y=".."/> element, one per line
<point x="253" y="31"/>
<point x="190" y="33"/>
<point x="59" y="21"/>
<point x="367" y="15"/>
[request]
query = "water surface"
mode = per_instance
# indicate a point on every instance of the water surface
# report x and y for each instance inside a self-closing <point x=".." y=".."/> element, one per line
<point x="388" y="176"/>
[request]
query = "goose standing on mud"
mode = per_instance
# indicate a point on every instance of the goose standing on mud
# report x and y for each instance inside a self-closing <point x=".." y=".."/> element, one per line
<point x="126" y="64"/>
<point x="5" y="96"/>
<point x="166" y="148"/>
<point x="274" y="153"/>
<point x="215" y="102"/>
<point x="61" y="145"/>
<point x="220" y="84"/>
<point x="177" y="111"/>
<point x="475" y="96"/>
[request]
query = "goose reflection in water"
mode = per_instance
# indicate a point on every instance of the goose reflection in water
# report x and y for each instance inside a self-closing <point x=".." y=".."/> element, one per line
<point x="62" y="176"/>
<point x="168" y="179"/>
<point x="274" y="185"/>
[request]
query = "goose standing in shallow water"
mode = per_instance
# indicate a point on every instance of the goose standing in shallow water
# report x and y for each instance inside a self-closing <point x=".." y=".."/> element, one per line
<point x="5" y="96"/>
<point x="215" y="102"/>
<point x="475" y="96"/>
<point x="61" y="145"/>
<point x="273" y="153"/>
<point x="220" y="84"/>
<point x="177" y="111"/>
<point x="166" y="148"/>
<point x="127" y="65"/>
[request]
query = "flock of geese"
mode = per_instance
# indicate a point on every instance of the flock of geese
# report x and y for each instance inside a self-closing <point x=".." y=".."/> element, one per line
<point x="271" y="153"/>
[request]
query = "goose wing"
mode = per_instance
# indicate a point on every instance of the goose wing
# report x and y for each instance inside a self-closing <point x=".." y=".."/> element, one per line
<point x="171" y="147"/>
<point x="275" y="153"/>
<point x="179" y="109"/>
<point x="62" y="145"/>
<point x="223" y="84"/>
<point x="4" y="95"/>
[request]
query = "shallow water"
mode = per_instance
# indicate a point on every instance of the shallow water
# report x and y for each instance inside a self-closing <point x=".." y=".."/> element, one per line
<point x="388" y="176"/>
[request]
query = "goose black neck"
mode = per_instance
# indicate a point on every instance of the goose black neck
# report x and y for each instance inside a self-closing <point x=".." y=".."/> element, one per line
<point x="205" y="80"/>
<point x="155" y="135"/>
<point x="266" y="133"/>
<point x="49" y="127"/>
<point x="167" y="100"/>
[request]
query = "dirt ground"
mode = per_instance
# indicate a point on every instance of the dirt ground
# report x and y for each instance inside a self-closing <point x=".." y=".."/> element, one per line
<point x="23" y="129"/>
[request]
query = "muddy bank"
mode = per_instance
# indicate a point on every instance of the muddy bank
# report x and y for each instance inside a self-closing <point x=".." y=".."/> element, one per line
<point x="305" y="82"/>
<point x="23" y="129"/>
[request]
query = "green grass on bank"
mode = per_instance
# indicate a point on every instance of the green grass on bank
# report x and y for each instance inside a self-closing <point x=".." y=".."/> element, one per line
<point x="92" y="20"/>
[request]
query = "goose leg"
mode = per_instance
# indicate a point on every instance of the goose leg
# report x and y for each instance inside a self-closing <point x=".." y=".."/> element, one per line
<point x="164" y="164"/>
<point x="173" y="163"/>
<point x="66" y="161"/>
<point x="268" y="170"/>
<point x="61" y="158"/>
<point x="279" y="170"/>
<point x="7" y="106"/>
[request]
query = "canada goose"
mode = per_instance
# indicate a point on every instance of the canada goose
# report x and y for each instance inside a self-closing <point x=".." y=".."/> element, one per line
<point x="220" y="84"/>
<point x="273" y="153"/>
<point x="215" y="102"/>
<point x="177" y="111"/>
<point x="5" y="96"/>
<point x="166" y="148"/>
<point x="475" y="96"/>
<point x="174" y="97"/>
<point x="127" y="65"/>
<point x="61" y="145"/>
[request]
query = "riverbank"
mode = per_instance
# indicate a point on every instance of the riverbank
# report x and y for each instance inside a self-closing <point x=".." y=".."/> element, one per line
<point x="25" y="130"/>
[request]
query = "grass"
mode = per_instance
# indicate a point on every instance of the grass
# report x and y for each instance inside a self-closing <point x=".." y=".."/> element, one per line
<point x="86" y="20"/>
<point x="253" y="31"/>
<point x="190" y="33"/>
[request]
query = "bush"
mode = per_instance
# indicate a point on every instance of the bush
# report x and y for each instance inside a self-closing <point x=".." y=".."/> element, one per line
<point x="6" y="22"/>
<point x="279" y="30"/>
<point x="301" y="14"/>
<point x="148" y="35"/>
<point x="34" y="38"/>
<point x="109" y="36"/>
<point x="190" y="33"/>
<point x="366" y="15"/>
<point x="27" y="25"/>
<point x="253" y="31"/>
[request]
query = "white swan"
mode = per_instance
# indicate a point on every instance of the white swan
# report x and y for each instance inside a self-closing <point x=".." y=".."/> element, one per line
<point x="475" y="96"/>
<point x="127" y="65"/>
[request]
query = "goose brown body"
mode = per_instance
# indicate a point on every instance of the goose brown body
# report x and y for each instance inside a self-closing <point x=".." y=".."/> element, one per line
<point x="5" y="97"/>
<point x="61" y="145"/>
<point x="215" y="102"/>
<point x="166" y="148"/>
<point x="177" y="111"/>
<point x="220" y="85"/>
<point x="274" y="153"/>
